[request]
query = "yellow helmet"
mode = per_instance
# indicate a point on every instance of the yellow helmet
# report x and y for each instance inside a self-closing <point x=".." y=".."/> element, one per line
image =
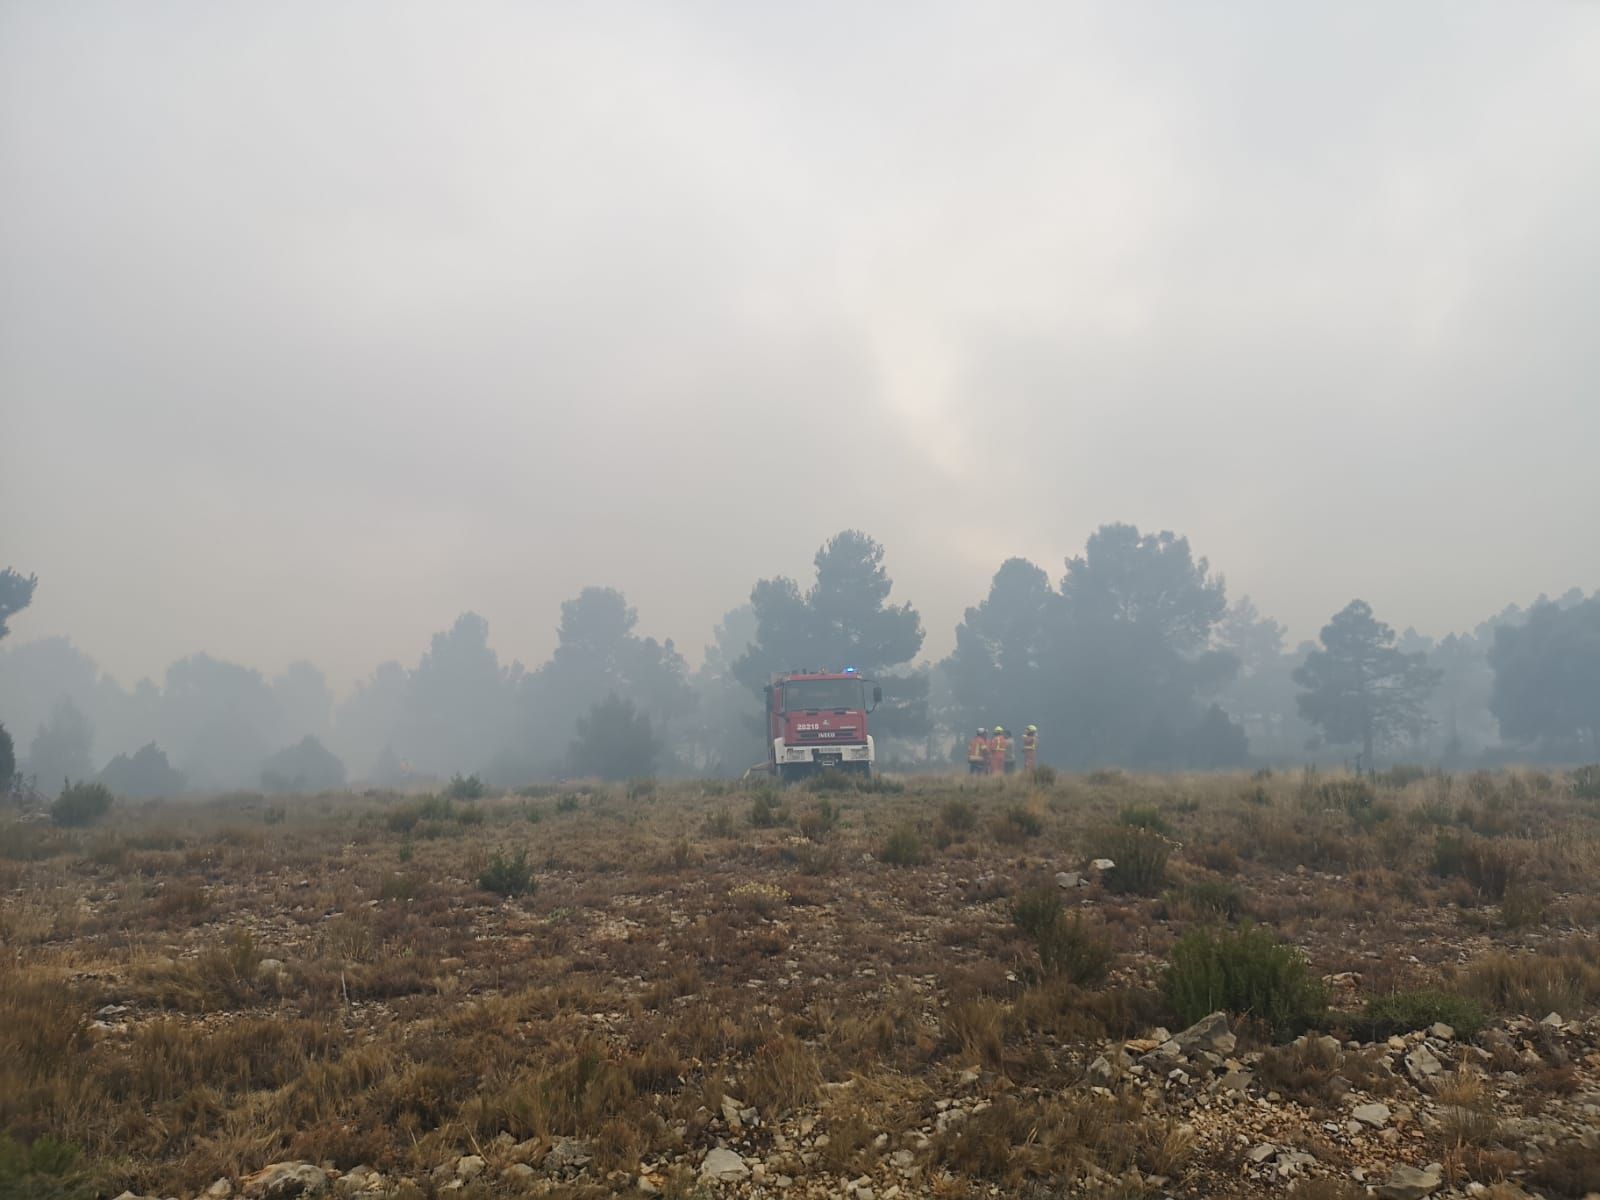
<point x="1033" y="729"/>
<point x="999" y="728"/>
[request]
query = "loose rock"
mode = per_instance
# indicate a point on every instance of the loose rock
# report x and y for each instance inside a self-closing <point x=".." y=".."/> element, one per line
<point x="1375" y="1115"/>
<point x="1209" y="1033"/>
<point x="723" y="1166"/>
<point x="1408" y="1183"/>
<point x="280" y="1181"/>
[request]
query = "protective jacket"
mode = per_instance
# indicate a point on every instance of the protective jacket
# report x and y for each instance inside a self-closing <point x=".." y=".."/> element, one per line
<point x="999" y="748"/>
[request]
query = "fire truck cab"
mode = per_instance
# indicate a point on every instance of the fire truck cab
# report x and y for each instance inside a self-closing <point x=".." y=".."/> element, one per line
<point x="817" y="721"/>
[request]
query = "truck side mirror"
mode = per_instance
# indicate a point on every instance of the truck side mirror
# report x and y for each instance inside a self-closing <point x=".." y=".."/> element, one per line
<point x="877" y="696"/>
<point x="767" y="691"/>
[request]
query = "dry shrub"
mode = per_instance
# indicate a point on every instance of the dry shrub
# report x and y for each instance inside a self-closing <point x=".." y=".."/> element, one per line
<point x="657" y="1070"/>
<point x="1328" y="1189"/>
<point x="1016" y="825"/>
<point x="1304" y="1070"/>
<point x="1467" y="1117"/>
<point x="1217" y="854"/>
<point x="1489" y="865"/>
<point x="685" y="981"/>
<point x="903" y="848"/>
<point x="1058" y="1137"/>
<point x="977" y="1029"/>
<point x="1570" y="1171"/>
<point x="851" y="1127"/>
<point x="1564" y="978"/>
<point x="818" y="821"/>
<point x="572" y="1095"/>
<point x="782" y="1076"/>
<point x="183" y="903"/>
<point x="33" y="842"/>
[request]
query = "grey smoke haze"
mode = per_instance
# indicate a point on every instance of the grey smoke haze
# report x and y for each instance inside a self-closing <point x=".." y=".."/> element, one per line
<point x="320" y="324"/>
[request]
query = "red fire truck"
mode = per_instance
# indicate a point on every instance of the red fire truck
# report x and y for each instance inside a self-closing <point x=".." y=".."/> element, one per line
<point x="817" y="721"/>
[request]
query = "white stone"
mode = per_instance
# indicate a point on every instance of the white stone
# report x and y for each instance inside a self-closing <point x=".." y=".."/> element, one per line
<point x="1422" y="1066"/>
<point x="1408" y="1183"/>
<point x="470" y="1166"/>
<point x="723" y="1166"/>
<point x="1375" y="1115"/>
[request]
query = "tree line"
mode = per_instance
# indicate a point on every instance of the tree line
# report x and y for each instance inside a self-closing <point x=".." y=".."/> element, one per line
<point x="1134" y="656"/>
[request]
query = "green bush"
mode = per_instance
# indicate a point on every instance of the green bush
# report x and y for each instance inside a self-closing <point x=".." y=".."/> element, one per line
<point x="468" y="787"/>
<point x="1144" y="816"/>
<point x="719" y="824"/>
<point x="46" y="1170"/>
<point x="1246" y="972"/>
<point x="1403" y="1012"/>
<point x="1220" y="900"/>
<point x="81" y="804"/>
<point x="431" y="813"/>
<point x="8" y="763"/>
<point x="1140" y="856"/>
<point x="1586" y="782"/>
<point x="568" y="802"/>
<point x="765" y="812"/>
<point x="508" y="876"/>
<point x="1044" y="775"/>
<point x="1066" y="947"/>
<point x="903" y="848"/>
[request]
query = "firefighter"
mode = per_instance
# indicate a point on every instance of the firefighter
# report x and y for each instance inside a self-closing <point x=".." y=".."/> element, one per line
<point x="999" y="747"/>
<point x="1030" y="748"/>
<point x="978" y="753"/>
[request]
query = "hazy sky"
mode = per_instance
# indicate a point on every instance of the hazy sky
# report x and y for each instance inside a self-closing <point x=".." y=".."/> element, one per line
<point x="322" y="322"/>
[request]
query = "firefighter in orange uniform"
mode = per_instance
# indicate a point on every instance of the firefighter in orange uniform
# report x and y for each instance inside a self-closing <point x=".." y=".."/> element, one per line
<point x="978" y="754"/>
<point x="1030" y="748"/>
<point x="999" y="745"/>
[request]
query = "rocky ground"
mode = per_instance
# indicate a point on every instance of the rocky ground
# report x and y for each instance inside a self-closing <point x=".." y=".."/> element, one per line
<point x="711" y="991"/>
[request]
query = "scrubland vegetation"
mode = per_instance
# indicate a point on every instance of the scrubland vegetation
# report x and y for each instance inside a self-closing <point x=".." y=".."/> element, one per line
<point x="923" y="984"/>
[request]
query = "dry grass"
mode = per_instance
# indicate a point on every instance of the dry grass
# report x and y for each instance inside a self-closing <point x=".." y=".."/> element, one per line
<point x="328" y="980"/>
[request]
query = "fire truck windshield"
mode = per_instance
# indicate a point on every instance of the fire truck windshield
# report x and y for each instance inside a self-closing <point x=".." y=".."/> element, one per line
<point x="823" y="693"/>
